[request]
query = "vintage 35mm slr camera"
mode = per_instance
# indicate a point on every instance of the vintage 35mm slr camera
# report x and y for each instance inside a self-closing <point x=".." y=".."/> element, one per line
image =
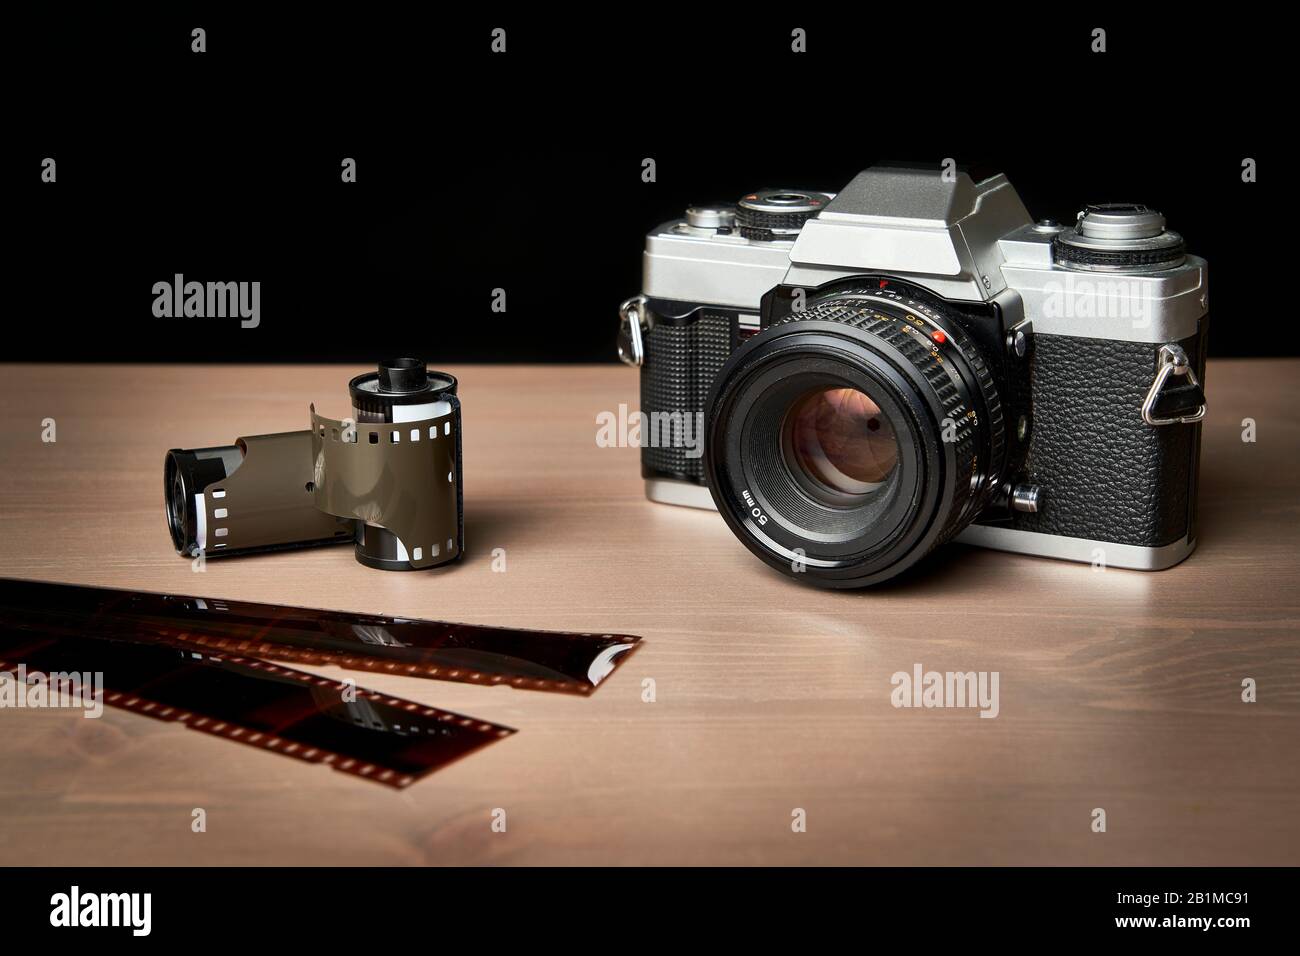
<point x="853" y="379"/>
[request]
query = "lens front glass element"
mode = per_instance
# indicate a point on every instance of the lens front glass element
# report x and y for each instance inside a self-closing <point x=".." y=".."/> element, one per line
<point x="840" y="443"/>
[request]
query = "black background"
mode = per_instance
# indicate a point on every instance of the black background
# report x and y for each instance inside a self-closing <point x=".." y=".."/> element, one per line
<point x="523" y="171"/>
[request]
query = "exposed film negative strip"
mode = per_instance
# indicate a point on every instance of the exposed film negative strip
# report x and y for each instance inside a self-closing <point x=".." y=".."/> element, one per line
<point x="385" y="739"/>
<point x="557" y="661"/>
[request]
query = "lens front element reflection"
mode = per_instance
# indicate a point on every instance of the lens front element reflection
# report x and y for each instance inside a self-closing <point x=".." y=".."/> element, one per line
<point x="839" y="439"/>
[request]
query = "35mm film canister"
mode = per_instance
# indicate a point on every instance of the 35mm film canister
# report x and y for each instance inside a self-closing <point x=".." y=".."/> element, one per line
<point x="403" y="391"/>
<point x="387" y="479"/>
<point x="255" y="495"/>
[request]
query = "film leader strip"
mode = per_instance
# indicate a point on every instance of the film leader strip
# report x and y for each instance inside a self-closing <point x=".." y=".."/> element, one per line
<point x="354" y="479"/>
<point x="374" y="736"/>
<point x="555" y="661"/>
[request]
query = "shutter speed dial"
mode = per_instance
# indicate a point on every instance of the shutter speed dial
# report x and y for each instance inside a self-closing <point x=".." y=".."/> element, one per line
<point x="1118" y="237"/>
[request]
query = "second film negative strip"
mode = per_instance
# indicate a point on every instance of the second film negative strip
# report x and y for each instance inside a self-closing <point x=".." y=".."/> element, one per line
<point x="374" y="736"/>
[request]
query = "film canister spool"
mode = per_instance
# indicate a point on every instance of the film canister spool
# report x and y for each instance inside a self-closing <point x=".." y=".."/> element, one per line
<point x="403" y="391"/>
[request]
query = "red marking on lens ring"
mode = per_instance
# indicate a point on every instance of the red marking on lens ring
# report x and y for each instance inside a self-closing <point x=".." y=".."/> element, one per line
<point x="883" y="283"/>
<point x="938" y="336"/>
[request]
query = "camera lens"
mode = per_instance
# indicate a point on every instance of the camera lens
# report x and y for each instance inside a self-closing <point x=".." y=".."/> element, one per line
<point x="851" y="438"/>
<point x="841" y="443"/>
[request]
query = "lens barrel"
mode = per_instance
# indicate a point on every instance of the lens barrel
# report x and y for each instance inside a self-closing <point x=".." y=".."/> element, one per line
<point x="851" y="438"/>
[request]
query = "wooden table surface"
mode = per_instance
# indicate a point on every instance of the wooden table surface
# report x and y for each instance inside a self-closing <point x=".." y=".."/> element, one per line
<point x="1119" y="689"/>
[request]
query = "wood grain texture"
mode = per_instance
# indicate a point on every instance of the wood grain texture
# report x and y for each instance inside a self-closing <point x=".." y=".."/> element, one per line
<point x="1119" y="689"/>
